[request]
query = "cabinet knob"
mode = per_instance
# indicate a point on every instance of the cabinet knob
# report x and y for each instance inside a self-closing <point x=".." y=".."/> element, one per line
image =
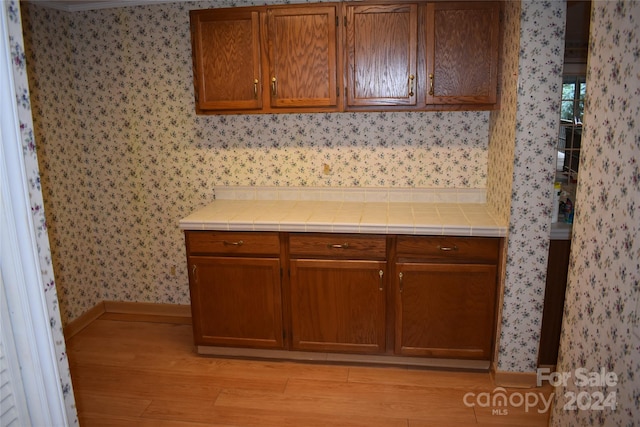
<point x="255" y="88"/>
<point x="401" y="284"/>
<point x="431" y="84"/>
<point x="411" y="79"/>
<point x="274" y="88"/>
<point x="381" y="273"/>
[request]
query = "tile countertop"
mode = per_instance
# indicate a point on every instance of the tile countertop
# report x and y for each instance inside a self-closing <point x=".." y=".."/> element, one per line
<point x="377" y="210"/>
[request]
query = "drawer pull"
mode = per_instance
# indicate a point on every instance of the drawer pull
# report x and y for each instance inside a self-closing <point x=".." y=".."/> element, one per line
<point x="448" y="248"/>
<point x="238" y="243"/>
<point x="338" y="246"/>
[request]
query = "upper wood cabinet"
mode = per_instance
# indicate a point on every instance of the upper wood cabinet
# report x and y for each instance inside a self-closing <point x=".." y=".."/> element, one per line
<point x="302" y="56"/>
<point x="389" y="56"/>
<point x="382" y="51"/>
<point x="226" y="59"/>
<point x="462" y="52"/>
<point x="265" y="59"/>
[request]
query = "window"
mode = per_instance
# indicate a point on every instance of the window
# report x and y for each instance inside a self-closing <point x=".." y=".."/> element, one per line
<point x="569" y="140"/>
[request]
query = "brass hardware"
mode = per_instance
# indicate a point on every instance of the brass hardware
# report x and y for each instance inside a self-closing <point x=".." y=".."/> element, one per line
<point x="431" y="84"/>
<point x="255" y="88"/>
<point x="193" y="269"/>
<point x="401" y="284"/>
<point x="411" y="78"/>
<point x="238" y="243"/>
<point x="338" y="246"/>
<point x="274" y="90"/>
<point x="381" y="273"/>
<point x="448" y="248"/>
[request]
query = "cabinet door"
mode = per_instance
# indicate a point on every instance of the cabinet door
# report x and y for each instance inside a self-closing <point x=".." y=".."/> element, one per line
<point x="381" y="54"/>
<point x="302" y="56"/>
<point x="236" y="301"/>
<point x="338" y="305"/>
<point x="226" y="59"/>
<point x="462" y="52"/>
<point x="445" y="310"/>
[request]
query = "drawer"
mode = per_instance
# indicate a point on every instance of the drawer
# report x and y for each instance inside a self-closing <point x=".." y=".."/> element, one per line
<point x="341" y="246"/>
<point x="450" y="249"/>
<point x="232" y="243"/>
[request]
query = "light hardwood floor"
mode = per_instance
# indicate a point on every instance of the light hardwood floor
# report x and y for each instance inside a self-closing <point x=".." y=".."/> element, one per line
<point x="143" y="371"/>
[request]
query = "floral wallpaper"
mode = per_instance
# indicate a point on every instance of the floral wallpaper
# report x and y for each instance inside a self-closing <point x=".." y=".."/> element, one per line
<point x="124" y="156"/>
<point x="522" y="147"/>
<point x="502" y="138"/>
<point x="502" y="129"/>
<point x="537" y="127"/>
<point x="601" y="329"/>
<point x="23" y="104"/>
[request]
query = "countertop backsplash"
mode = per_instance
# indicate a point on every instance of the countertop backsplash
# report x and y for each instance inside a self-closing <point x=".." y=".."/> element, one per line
<point x="353" y="194"/>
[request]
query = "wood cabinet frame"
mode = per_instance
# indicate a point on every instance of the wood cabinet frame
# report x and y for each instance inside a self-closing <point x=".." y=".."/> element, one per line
<point x="269" y="25"/>
<point x="280" y="258"/>
<point x="342" y="64"/>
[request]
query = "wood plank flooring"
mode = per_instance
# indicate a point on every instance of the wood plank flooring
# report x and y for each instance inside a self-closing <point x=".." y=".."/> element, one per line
<point x="132" y="371"/>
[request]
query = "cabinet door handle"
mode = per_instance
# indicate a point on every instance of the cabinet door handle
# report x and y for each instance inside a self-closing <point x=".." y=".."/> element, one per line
<point x="401" y="284"/>
<point x="255" y="88"/>
<point x="193" y="269"/>
<point x="381" y="273"/>
<point x="448" y="248"/>
<point x="274" y="88"/>
<point x="338" y="246"/>
<point x="431" y="84"/>
<point x="411" y="79"/>
<point x="238" y="243"/>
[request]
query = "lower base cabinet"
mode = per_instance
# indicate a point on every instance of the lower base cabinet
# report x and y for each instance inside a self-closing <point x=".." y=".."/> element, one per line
<point x="445" y="310"/>
<point x="235" y="286"/>
<point x="338" y="305"/>
<point x="417" y="296"/>
<point x="236" y="302"/>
